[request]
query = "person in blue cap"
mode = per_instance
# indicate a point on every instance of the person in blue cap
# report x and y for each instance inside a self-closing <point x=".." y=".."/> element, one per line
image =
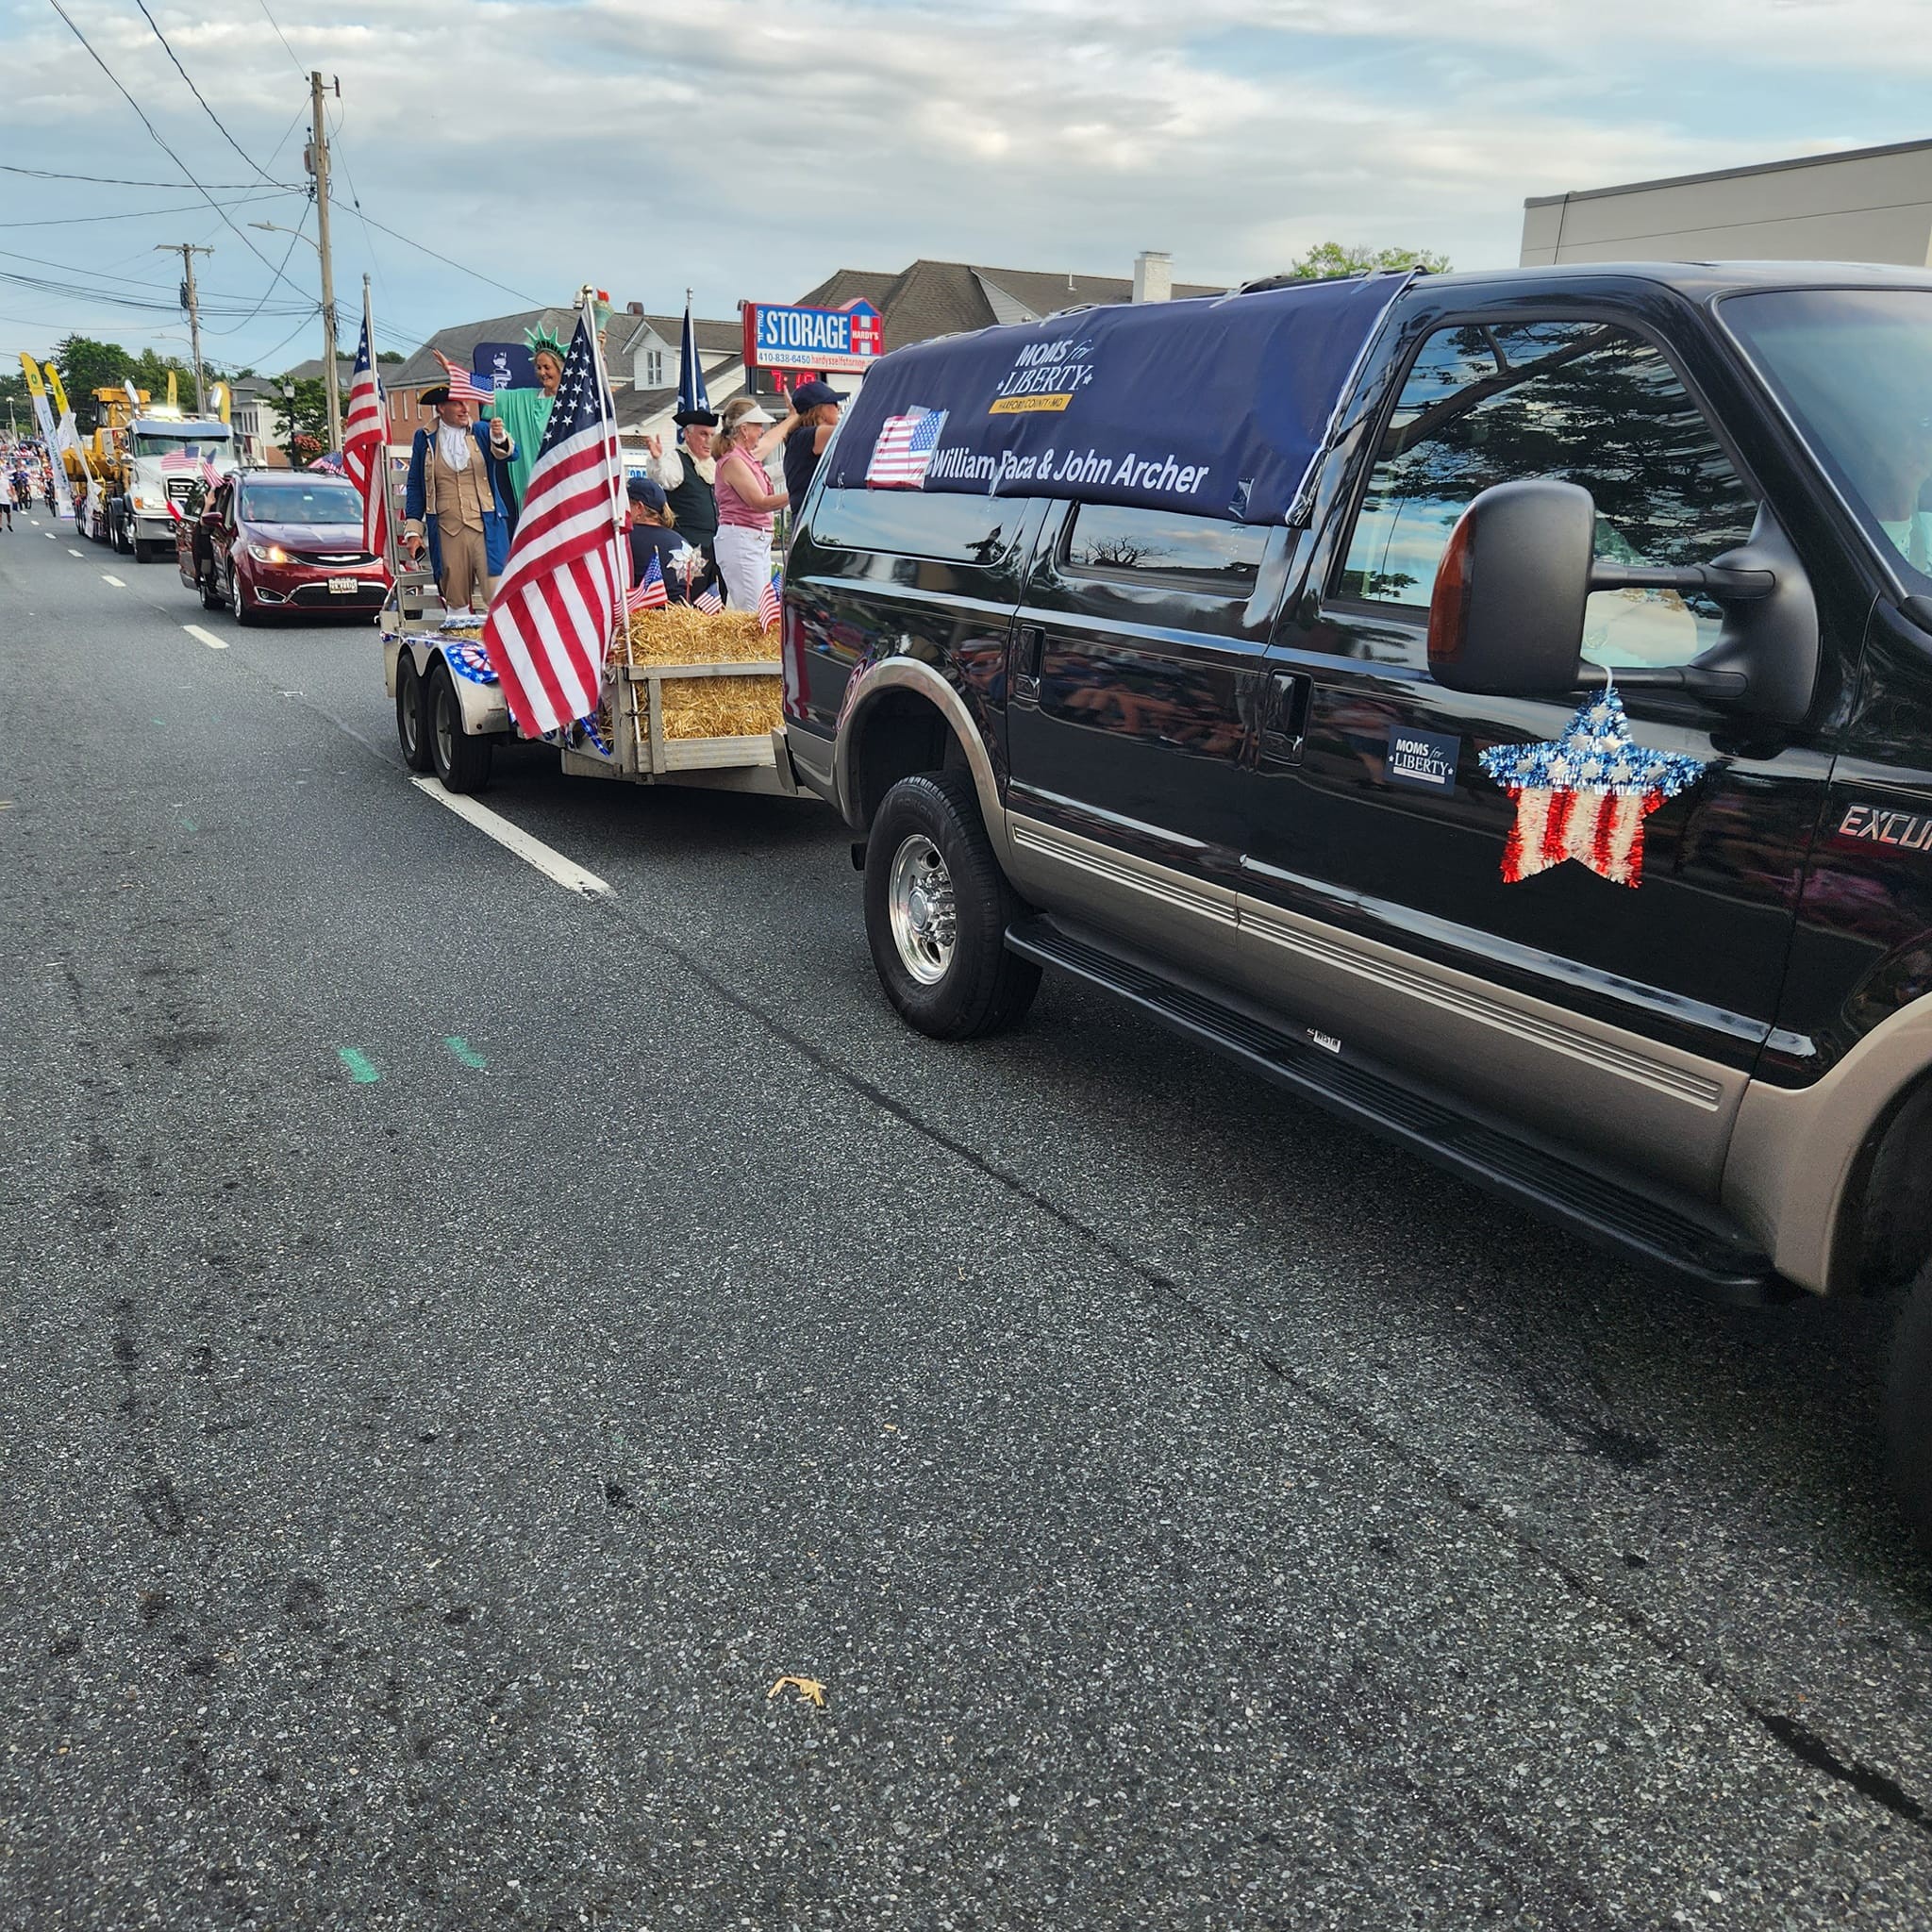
<point x="815" y="408"/>
<point x="653" y="533"/>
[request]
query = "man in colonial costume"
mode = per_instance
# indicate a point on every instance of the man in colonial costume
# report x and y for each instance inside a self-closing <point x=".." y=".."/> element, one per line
<point x="454" y="505"/>
<point x="688" y="474"/>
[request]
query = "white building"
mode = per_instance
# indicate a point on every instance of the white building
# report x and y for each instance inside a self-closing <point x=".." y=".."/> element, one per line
<point x="1871" y="203"/>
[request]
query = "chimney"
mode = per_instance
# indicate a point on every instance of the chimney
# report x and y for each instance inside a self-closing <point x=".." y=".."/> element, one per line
<point x="633" y="308"/>
<point x="1153" y="276"/>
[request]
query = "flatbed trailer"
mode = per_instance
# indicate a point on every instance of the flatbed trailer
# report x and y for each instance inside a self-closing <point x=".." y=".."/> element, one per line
<point x="450" y="720"/>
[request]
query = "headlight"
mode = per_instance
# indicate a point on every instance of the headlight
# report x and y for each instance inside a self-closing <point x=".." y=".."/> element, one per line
<point x="140" y="502"/>
<point x="268" y="553"/>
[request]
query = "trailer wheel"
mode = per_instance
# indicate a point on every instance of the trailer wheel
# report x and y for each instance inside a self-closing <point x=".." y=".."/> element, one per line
<point x="461" y="758"/>
<point x="937" y="908"/>
<point x="412" y="725"/>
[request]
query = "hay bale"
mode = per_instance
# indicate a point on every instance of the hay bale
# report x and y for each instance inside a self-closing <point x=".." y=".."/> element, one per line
<point x="721" y="707"/>
<point x="679" y="635"/>
<point x="748" y="706"/>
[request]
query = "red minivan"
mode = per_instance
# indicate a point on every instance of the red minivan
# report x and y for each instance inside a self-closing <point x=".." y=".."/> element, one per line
<point x="270" y="543"/>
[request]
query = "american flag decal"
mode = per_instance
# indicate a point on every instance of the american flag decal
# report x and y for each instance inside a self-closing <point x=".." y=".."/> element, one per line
<point x="900" y="456"/>
<point x="1585" y="795"/>
<point x="551" y="618"/>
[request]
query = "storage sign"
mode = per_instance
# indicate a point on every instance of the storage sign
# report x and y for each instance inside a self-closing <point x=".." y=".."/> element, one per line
<point x="842" y="341"/>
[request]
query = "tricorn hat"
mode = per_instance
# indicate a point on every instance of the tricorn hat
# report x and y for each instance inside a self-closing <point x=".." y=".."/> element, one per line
<point x="687" y="419"/>
<point x="437" y="393"/>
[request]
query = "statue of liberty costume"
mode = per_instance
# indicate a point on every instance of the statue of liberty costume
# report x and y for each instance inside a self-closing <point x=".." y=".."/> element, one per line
<point x="525" y="412"/>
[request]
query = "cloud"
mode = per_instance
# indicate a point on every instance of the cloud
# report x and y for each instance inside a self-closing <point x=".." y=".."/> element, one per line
<point x="748" y="147"/>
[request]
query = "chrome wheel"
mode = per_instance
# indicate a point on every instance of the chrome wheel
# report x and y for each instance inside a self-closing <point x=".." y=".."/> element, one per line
<point x="919" y="900"/>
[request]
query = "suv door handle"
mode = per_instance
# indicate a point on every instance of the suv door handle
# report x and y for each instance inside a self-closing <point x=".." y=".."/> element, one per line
<point x="1029" y="642"/>
<point x="1285" y="717"/>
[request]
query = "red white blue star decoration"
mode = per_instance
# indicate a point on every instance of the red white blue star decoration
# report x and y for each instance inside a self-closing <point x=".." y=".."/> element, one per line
<point x="1586" y="794"/>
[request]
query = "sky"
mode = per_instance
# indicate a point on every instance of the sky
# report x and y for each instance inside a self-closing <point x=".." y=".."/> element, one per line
<point x="747" y="148"/>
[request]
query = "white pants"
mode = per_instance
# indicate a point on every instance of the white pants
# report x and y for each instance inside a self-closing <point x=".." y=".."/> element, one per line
<point x="744" y="561"/>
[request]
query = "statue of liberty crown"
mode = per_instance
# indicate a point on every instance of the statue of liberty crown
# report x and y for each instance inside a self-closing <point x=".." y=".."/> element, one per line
<point x="541" y="338"/>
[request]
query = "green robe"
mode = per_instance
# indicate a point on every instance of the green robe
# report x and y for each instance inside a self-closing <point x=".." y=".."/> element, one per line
<point x="525" y="413"/>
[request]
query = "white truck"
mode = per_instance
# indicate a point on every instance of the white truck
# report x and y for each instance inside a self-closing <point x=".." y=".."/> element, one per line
<point x="167" y="462"/>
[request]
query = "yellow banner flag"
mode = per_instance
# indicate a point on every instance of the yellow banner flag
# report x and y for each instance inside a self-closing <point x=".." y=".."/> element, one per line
<point x="34" y="383"/>
<point x="55" y="384"/>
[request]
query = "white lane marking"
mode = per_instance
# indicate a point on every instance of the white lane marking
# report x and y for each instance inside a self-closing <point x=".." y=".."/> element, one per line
<point x="206" y="637"/>
<point x="553" y="865"/>
<point x="107" y="578"/>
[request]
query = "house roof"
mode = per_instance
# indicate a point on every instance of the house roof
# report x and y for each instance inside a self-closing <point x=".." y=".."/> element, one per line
<point x="714" y="338"/>
<point x="459" y="342"/>
<point x="311" y="370"/>
<point x="941" y="298"/>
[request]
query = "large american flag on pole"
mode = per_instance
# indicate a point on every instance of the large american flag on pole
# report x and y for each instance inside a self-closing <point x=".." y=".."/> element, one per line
<point x="551" y="618"/>
<point x="365" y="448"/>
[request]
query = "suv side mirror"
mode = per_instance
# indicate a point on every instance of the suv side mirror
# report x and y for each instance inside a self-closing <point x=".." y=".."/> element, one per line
<point x="1507" y="613"/>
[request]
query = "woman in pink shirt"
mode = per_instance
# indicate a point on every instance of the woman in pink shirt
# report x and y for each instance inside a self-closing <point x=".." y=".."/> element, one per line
<point x="745" y="503"/>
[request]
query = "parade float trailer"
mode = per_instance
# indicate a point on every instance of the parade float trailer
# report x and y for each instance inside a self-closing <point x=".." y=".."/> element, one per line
<point x="689" y="699"/>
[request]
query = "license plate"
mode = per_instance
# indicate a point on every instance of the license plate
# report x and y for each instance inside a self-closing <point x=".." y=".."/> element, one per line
<point x="342" y="587"/>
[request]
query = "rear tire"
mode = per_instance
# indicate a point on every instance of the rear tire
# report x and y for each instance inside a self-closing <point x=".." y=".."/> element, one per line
<point x="461" y="761"/>
<point x="412" y="715"/>
<point x="937" y="908"/>
<point x="211" y="587"/>
<point x="1908" y="1409"/>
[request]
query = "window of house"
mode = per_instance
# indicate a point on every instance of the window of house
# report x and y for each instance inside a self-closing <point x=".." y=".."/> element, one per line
<point x="1198" y="551"/>
<point x="654" y="368"/>
<point x="917" y="523"/>
<point x="1586" y="402"/>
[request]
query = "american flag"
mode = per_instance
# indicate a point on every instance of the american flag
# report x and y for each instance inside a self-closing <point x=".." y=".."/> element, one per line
<point x="552" y="616"/>
<point x="709" y="602"/>
<point x="463" y="387"/>
<point x="179" y="462"/>
<point x="769" y="605"/>
<point x="904" y="448"/>
<point x="365" y="439"/>
<point x="650" y="594"/>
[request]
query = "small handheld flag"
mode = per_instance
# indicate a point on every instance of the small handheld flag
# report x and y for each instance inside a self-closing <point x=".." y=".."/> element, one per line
<point x="770" y="603"/>
<point x="650" y="594"/>
<point x="463" y="387"/>
<point x="709" y="602"/>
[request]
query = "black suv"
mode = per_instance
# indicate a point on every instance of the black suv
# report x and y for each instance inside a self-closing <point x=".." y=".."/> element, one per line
<point x="1552" y="791"/>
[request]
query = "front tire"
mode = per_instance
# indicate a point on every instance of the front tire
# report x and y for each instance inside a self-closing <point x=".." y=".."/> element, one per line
<point x="1908" y="1409"/>
<point x="461" y="761"/>
<point x="412" y="722"/>
<point x="241" y="605"/>
<point x="937" y="908"/>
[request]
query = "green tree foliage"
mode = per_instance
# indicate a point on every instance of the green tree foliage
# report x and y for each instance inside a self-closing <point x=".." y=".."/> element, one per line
<point x="1328" y="259"/>
<point x="86" y="365"/>
<point x="304" y="433"/>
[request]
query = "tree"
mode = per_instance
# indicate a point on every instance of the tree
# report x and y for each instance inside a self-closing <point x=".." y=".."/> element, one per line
<point x="391" y="356"/>
<point x="304" y="430"/>
<point x="86" y="365"/>
<point x="1328" y="259"/>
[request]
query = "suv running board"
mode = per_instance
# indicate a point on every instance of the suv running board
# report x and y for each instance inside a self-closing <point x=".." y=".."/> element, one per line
<point x="1679" y="1234"/>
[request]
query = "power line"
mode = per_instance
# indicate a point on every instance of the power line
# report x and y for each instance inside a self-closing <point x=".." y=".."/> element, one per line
<point x="141" y="213"/>
<point x="290" y="250"/>
<point x="154" y="133"/>
<point x="199" y="95"/>
<point x="522" y="295"/>
<point x="284" y="39"/>
<point x="119" y="181"/>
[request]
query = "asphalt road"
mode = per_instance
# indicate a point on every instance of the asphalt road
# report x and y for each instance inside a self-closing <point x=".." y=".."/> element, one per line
<point x="466" y="1342"/>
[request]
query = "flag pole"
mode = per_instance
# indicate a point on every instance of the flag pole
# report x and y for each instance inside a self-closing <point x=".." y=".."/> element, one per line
<point x="390" y="557"/>
<point x="620" y="550"/>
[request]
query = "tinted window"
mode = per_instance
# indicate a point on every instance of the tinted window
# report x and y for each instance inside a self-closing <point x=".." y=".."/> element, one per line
<point x="302" y="503"/>
<point x="1164" y="544"/>
<point x="915" y="523"/>
<point x="1582" y="401"/>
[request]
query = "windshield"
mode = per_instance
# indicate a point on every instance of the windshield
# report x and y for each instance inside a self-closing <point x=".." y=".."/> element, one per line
<point x="195" y="442"/>
<point x="319" y="502"/>
<point x="1853" y="367"/>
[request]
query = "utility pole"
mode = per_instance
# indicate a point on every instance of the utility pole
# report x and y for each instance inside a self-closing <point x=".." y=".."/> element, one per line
<point x="188" y="251"/>
<point x="318" y="166"/>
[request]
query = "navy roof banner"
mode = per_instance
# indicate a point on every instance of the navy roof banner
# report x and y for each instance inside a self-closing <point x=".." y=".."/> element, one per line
<point x="1217" y="406"/>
